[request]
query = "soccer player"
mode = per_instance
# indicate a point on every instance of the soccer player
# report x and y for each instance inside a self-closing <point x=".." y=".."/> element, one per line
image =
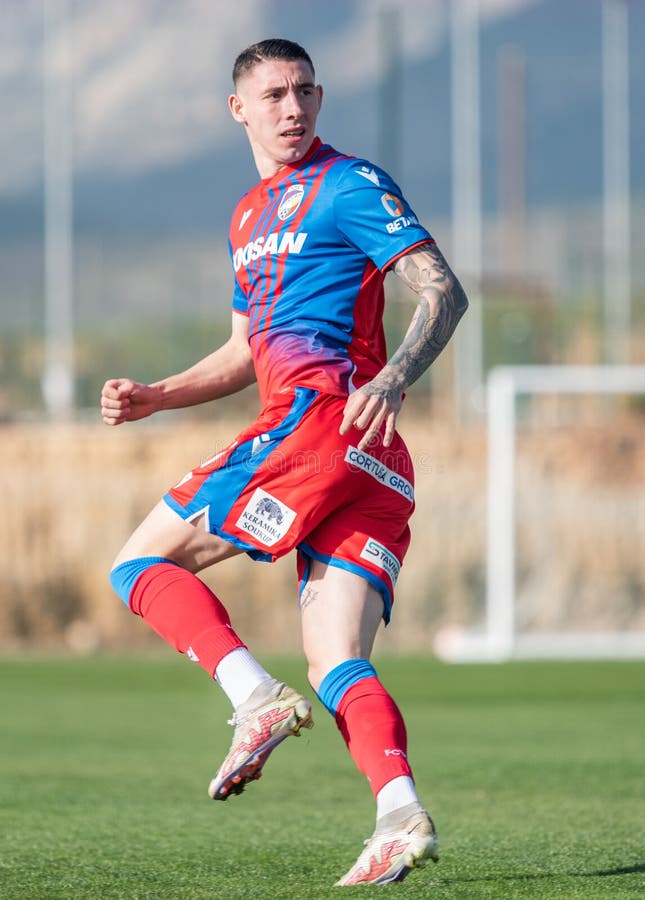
<point x="322" y="469"/>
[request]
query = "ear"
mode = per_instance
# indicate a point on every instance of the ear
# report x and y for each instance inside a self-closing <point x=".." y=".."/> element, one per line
<point x="236" y="106"/>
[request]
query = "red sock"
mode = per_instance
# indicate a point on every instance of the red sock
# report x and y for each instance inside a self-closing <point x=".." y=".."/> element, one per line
<point x="185" y="613"/>
<point x="374" y="731"/>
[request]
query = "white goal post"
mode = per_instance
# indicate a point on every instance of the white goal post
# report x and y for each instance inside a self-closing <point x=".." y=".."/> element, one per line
<point x="500" y="640"/>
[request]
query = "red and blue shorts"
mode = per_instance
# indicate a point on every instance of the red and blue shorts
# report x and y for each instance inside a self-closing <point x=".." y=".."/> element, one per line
<point x="291" y="480"/>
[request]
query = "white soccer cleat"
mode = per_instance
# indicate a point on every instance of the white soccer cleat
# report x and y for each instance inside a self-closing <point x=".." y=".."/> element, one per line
<point x="272" y="713"/>
<point x="403" y="840"/>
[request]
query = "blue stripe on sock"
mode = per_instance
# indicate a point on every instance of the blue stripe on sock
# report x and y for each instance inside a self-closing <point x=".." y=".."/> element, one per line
<point x="123" y="577"/>
<point x="336" y="683"/>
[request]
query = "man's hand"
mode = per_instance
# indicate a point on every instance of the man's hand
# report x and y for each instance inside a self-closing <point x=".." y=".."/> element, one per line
<point x="123" y="400"/>
<point x="368" y="408"/>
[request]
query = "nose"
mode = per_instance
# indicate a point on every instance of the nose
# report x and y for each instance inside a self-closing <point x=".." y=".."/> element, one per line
<point x="294" y="105"/>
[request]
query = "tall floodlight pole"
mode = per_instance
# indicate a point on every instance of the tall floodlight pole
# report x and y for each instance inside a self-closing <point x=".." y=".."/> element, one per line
<point x="58" y="377"/>
<point x="512" y="163"/>
<point x="616" y="203"/>
<point x="466" y="199"/>
<point x="390" y="117"/>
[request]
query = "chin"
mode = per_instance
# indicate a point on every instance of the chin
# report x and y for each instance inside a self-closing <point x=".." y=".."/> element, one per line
<point x="300" y="150"/>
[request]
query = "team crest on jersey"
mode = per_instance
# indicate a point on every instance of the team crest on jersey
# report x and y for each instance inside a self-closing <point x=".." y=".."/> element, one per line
<point x="392" y="205"/>
<point x="291" y="200"/>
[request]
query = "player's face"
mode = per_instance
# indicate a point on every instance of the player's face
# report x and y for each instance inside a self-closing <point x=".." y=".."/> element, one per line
<point x="278" y="103"/>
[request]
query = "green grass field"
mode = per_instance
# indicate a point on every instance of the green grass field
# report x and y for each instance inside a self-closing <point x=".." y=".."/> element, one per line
<point x="534" y="773"/>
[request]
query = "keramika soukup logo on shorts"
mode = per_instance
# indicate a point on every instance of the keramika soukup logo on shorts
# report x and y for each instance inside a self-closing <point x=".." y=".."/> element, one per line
<point x="266" y="518"/>
<point x="291" y="200"/>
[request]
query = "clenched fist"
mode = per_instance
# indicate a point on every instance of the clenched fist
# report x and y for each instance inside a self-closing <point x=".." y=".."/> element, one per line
<point x="123" y="400"/>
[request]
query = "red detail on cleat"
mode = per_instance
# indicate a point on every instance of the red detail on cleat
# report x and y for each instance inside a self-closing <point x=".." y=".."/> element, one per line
<point x="379" y="867"/>
<point x="256" y="738"/>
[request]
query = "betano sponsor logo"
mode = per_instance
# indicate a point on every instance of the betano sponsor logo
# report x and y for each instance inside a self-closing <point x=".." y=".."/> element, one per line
<point x="401" y="223"/>
<point x="271" y="245"/>
<point x="392" y="205"/>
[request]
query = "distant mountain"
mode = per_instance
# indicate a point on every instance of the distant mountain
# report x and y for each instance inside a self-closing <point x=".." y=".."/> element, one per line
<point x="190" y="186"/>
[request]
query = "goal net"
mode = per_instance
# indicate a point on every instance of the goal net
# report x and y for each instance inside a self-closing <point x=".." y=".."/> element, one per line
<point x="520" y="618"/>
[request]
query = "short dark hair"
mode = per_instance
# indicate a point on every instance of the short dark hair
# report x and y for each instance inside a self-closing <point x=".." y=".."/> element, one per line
<point x="273" y="48"/>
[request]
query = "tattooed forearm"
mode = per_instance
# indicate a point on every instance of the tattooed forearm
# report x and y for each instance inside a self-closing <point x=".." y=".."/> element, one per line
<point x="442" y="303"/>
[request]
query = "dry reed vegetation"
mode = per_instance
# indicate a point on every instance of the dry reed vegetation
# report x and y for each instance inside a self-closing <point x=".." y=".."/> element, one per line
<point x="72" y="494"/>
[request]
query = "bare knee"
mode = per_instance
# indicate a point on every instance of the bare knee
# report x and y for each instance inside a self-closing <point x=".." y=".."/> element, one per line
<point x="319" y="667"/>
<point x="315" y="674"/>
<point x="340" y="615"/>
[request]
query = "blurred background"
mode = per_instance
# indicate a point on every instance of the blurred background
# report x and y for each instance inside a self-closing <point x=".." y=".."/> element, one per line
<point x="516" y="130"/>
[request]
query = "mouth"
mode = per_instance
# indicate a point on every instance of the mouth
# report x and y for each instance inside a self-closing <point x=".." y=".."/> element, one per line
<point x="293" y="132"/>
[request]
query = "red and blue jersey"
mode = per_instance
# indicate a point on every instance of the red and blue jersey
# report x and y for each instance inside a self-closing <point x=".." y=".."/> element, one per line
<point x="310" y="248"/>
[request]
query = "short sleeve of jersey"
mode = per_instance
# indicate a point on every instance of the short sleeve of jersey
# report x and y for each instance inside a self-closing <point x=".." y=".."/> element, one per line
<point x="240" y="302"/>
<point x="373" y="215"/>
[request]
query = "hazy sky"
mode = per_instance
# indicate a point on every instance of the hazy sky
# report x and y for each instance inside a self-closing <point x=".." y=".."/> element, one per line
<point x="150" y="77"/>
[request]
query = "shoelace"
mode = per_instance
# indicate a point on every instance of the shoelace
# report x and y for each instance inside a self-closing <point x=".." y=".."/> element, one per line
<point x="240" y="718"/>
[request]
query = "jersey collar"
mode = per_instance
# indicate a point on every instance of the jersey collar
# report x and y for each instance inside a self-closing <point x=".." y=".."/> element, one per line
<point x="288" y="170"/>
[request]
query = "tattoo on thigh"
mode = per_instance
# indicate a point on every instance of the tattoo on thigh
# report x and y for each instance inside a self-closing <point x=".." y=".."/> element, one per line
<point x="308" y="596"/>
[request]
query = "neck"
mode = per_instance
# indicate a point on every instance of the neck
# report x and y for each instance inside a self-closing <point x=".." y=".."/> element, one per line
<point x="267" y="166"/>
